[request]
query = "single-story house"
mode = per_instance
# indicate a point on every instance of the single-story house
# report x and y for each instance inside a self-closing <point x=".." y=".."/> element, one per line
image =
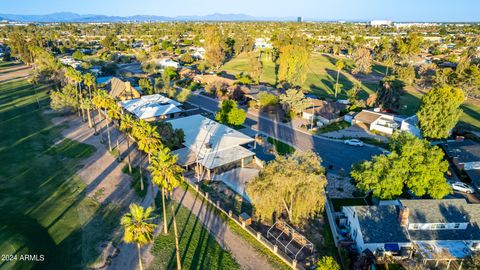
<point x="165" y="62"/>
<point x="324" y="112"/>
<point x="465" y="155"/>
<point x="450" y="225"/>
<point x="121" y="90"/>
<point x="210" y="147"/>
<point x="262" y="43"/>
<point x="152" y="107"/>
<point x="410" y="125"/>
<point x="377" y="121"/>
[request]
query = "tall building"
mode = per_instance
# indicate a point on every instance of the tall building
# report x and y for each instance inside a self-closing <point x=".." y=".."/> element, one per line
<point x="299" y="19"/>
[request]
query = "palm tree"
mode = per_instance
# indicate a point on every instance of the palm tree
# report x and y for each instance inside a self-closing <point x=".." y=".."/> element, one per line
<point x="138" y="228"/>
<point x="148" y="138"/>
<point x="89" y="81"/>
<point x="126" y="126"/>
<point x="103" y="101"/>
<point x="113" y="113"/>
<point x="388" y="63"/>
<point x="167" y="175"/>
<point x="339" y="66"/>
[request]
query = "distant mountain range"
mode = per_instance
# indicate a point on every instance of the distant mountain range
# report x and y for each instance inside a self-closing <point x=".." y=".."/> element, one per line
<point x="90" y="18"/>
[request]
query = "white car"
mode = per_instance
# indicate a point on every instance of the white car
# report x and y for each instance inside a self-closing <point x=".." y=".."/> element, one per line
<point x="353" y="142"/>
<point x="462" y="187"/>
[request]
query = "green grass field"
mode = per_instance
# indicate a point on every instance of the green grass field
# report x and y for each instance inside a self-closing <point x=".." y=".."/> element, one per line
<point x="199" y="249"/>
<point x="282" y="148"/>
<point x="43" y="204"/>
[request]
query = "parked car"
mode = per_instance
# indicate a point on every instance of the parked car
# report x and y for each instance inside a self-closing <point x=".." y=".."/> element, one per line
<point x="462" y="187"/>
<point x="353" y="142"/>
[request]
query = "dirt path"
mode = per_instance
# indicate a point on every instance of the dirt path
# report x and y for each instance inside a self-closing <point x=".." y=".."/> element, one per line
<point x="19" y="71"/>
<point x="242" y="251"/>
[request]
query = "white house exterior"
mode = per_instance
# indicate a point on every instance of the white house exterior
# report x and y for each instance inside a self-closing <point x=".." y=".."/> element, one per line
<point x="410" y="125"/>
<point x="164" y="63"/>
<point x="262" y="43"/>
<point x="381" y="23"/>
<point x="210" y="147"/>
<point x="451" y="226"/>
<point x="378" y="121"/>
<point x="199" y="53"/>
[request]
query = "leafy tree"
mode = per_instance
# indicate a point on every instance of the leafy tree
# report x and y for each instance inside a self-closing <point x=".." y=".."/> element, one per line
<point x="66" y="99"/>
<point x="338" y="66"/>
<point x="363" y="60"/>
<point x="170" y="137"/>
<point x="266" y="99"/>
<point x="146" y="85"/>
<point x="214" y="50"/>
<point x="167" y="175"/>
<point x="413" y="164"/>
<point x="406" y="74"/>
<point x="186" y="58"/>
<point x="290" y="184"/>
<point x="109" y="41"/>
<point x="183" y="95"/>
<point x="327" y="263"/>
<point x="293" y="63"/>
<point x="138" y="227"/>
<point x="293" y="100"/>
<point x="440" y="111"/>
<point x="473" y="263"/>
<point x="78" y="55"/>
<point x="229" y="113"/>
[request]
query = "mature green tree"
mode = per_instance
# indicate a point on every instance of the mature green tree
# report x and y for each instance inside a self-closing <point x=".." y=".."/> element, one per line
<point x="138" y="228"/>
<point x="363" y="60"/>
<point x="440" y="111"/>
<point x="327" y="263"/>
<point x="66" y="99"/>
<point x="266" y="99"/>
<point x="167" y="175"/>
<point x="338" y="66"/>
<point x="78" y="55"/>
<point x="293" y="100"/>
<point x="406" y="74"/>
<point x="146" y="85"/>
<point x="473" y="263"/>
<point x="290" y="184"/>
<point x="109" y="41"/>
<point x="214" y="49"/>
<point x="413" y="164"/>
<point x="170" y="137"/>
<point x="293" y="64"/>
<point x="183" y="95"/>
<point x="230" y="114"/>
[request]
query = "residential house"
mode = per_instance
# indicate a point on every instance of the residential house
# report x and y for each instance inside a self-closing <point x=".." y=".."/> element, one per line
<point x="165" y="62"/>
<point x="449" y="227"/>
<point x="465" y="155"/>
<point x="152" y="107"/>
<point x="122" y="90"/>
<point x="262" y="43"/>
<point x="323" y="112"/>
<point x="410" y="125"/>
<point x="199" y="53"/>
<point x="377" y="121"/>
<point x="210" y="147"/>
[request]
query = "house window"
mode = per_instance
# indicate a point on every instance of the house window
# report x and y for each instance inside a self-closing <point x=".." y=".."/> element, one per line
<point x="416" y="226"/>
<point x="457" y="225"/>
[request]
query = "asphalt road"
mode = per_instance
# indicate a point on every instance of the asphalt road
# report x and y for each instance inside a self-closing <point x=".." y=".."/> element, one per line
<point x="333" y="153"/>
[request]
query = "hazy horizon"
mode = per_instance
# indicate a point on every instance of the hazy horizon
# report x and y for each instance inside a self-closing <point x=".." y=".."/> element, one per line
<point x="351" y="10"/>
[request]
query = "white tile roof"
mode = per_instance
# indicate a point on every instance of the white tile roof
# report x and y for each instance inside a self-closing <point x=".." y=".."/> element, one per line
<point x="151" y="106"/>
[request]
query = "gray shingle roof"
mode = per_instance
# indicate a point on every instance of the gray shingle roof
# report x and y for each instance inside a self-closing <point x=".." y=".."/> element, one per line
<point x="379" y="224"/>
<point x="437" y="211"/>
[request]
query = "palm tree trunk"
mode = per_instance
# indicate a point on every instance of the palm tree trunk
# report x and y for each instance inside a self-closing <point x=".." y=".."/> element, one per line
<point x="336" y="85"/>
<point x="177" y="248"/>
<point x="107" y="123"/>
<point x="89" y="118"/>
<point x="94" y="123"/>
<point x="128" y="154"/>
<point x="386" y="72"/>
<point x="101" y="119"/>
<point x="139" y="257"/>
<point x="165" y="227"/>
<point x="141" y="177"/>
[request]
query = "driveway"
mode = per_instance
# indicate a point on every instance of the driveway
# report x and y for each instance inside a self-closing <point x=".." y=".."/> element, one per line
<point x="353" y="132"/>
<point x="333" y="153"/>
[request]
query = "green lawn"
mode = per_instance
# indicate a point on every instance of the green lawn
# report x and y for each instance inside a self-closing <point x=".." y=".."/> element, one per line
<point x="43" y="204"/>
<point x="282" y="148"/>
<point x="321" y="74"/>
<point x="199" y="249"/>
<point x="334" y="127"/>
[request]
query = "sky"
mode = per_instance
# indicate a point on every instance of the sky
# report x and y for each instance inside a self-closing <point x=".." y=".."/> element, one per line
<point x="395" y="10"/>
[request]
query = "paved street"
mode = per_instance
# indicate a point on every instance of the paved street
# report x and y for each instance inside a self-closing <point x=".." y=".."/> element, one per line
<point x="333" y="153"/>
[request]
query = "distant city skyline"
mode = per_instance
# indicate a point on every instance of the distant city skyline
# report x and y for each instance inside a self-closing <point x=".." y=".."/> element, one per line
<point x="406" y="10"/>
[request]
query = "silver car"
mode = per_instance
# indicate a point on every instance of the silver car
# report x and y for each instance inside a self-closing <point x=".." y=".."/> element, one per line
<point x="461" y="187"/>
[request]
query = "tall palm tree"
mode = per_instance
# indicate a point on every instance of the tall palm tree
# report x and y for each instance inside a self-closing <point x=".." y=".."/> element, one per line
<point x="126" y="126"/>
<point x="89" y="81"/>
<point x="148" y="138"/>
<point x="103" y="101"/>
<point x="167" y="175"/>
<point x="339" y="66"/>
<point x="138" y="227"/>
